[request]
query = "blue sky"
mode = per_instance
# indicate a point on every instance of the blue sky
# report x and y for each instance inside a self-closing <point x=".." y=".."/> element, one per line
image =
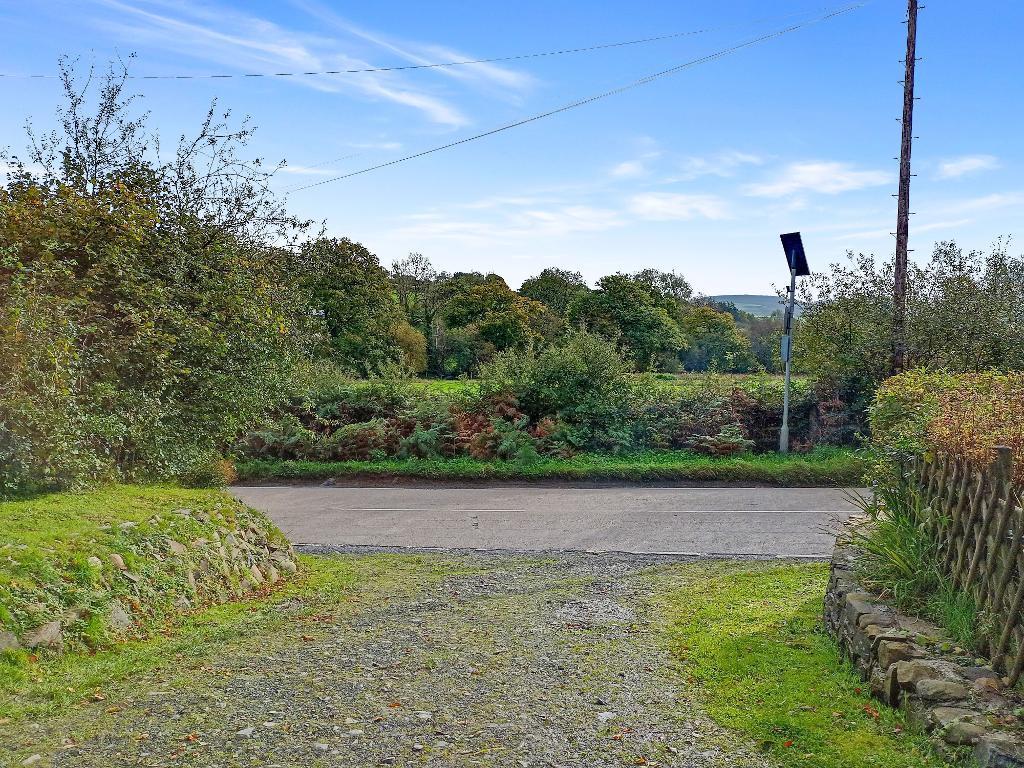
<point x="697" y="172"/>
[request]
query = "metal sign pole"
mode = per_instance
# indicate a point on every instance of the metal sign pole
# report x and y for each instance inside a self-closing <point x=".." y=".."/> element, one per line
<point x="796" y="260"/>
<point x="787" y="356"/>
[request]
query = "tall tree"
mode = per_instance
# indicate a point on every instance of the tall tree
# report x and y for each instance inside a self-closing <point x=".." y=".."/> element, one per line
<point x="350" y="290"/>
<point x="555" y="288"/>
<point x="629" y="312"/>
<point x="423" y="293"/>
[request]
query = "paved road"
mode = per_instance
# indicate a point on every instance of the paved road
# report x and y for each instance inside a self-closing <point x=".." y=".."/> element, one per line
<point x="790" y="522"/>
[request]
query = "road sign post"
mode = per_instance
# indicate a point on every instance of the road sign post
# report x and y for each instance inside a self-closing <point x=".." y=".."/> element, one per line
<point x="797" y="261"/>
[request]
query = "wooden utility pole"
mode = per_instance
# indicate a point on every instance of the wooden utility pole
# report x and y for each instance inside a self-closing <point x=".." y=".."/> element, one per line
<point x="899" y="351"/>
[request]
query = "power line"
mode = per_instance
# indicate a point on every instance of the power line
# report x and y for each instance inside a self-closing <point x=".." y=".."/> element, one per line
<point x="635" y="84"/>
<point x="437" y="65"/>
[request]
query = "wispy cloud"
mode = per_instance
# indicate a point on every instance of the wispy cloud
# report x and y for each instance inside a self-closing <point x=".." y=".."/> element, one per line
<point x="880" y="232"/>
<point x="665" y="206"/>
<point x="236" y="41"/>
<point x="522" y="224"/>
<point x="521" y="218"/>
<point x="630" y="169"/>
<point x="829" y="178"/>
<point x="305" y="170"/>
<point x="956" y="167"/>
<point x="423" y="53"/>
<point x="935" y="225"/>
<point x="389" y="146"/>
<point x="722" y="164"/>
<point x="993" y="202"/>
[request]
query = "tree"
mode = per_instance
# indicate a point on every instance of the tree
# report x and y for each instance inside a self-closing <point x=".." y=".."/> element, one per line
<point x="147" y="314"/>
<point x="497" y="317"/>
<point x="555" y="288"/>
<point x="716" y="343"/>
<point x="668" y="285"/>
<point x="627" y="311"/>
<point x="349" y="289"/>
<point x="765" y="334"/>
<point x="964" y="313"/>
<point x="413" y="346"/>
<point x="423" y="293"/>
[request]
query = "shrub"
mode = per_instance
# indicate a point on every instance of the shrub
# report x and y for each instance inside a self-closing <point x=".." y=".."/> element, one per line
<point x="984" y="411"/>
<point x="284" y="438"/>
<point x="363" y="441"/>
<point x="146" y="316"/>
<point x="728" y="442"/>
<point x="215" y="473"/>
<point x="965" y="416"/>
<point x="581" y="369"/>
<point x="673" y="419"/>
<point x="583" y="382"/>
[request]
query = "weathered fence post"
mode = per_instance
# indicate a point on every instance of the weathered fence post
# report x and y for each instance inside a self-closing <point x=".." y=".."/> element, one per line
<point x="1002" y="467"/>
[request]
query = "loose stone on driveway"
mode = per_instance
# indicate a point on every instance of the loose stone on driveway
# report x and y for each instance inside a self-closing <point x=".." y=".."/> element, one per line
<point x="786" y="522"/>
<point x="508" y="660"/>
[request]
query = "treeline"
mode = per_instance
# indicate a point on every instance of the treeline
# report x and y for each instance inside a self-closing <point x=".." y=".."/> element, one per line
<point x="447" y="325"/>
<point x="155" y="308"/>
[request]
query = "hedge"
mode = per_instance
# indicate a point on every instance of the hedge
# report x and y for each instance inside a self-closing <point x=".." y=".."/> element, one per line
<point x="963" y="415"/>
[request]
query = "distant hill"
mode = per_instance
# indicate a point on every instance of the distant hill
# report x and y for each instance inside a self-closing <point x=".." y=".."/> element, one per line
<point x="762" y="306"/>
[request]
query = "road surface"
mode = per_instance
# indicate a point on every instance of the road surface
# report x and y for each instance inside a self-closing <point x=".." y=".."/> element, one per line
<point x="784" y="522"/>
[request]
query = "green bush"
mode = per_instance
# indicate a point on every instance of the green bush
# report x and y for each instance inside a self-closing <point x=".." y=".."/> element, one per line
<point x="583" y="382"/>
<point x="960" y="415"/>
<point x="580" y="371"/>
<point x="145" y="316"/>
<point x="576" y="396"/>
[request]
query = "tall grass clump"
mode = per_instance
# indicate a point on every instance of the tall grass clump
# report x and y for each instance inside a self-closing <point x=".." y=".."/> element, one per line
<point x="900" y="559"/>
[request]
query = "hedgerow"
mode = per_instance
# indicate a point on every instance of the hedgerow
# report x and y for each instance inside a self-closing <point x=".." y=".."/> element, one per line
<point x="576" y="396"/>
<point x="963" y="415"/>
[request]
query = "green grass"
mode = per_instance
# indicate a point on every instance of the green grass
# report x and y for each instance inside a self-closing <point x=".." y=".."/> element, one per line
<point x="750" y="635"/>
<point x="824" y="467"/>
<point x="58" y="522"/>
<point x="448" y="386"/>
<point x="47" y="541"/>
<point x="682" y="382"/>
<point x="899" y="557"/>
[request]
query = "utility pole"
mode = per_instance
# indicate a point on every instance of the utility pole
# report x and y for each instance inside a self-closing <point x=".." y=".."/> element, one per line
<point x="899" y="350"/>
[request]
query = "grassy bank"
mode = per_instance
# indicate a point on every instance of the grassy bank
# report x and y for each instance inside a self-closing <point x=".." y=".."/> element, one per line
<point x="35" y="687"/>
<point x="82" y="571"/>
<point x="751" y="637"/>
<point x="821" y="467"/>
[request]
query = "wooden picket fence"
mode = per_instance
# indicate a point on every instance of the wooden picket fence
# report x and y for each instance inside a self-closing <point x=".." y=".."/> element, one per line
<point x="977" y="519"/>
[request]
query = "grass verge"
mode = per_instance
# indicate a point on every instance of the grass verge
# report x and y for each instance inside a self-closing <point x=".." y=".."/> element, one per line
<point x="750" y="634"/>
<point x="820" y="467"/>
<point x="118" y="560"/>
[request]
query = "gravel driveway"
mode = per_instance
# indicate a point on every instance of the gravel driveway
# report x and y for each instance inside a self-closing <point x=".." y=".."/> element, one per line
<point x="508" y="660"/>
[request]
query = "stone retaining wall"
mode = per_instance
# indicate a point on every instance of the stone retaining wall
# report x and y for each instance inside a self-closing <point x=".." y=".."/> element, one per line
<point x="910" y="663"/>
<point x="135" y="577"/>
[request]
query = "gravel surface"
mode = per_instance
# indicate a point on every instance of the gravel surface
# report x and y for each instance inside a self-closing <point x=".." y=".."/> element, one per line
<point x="509" y="660"/>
